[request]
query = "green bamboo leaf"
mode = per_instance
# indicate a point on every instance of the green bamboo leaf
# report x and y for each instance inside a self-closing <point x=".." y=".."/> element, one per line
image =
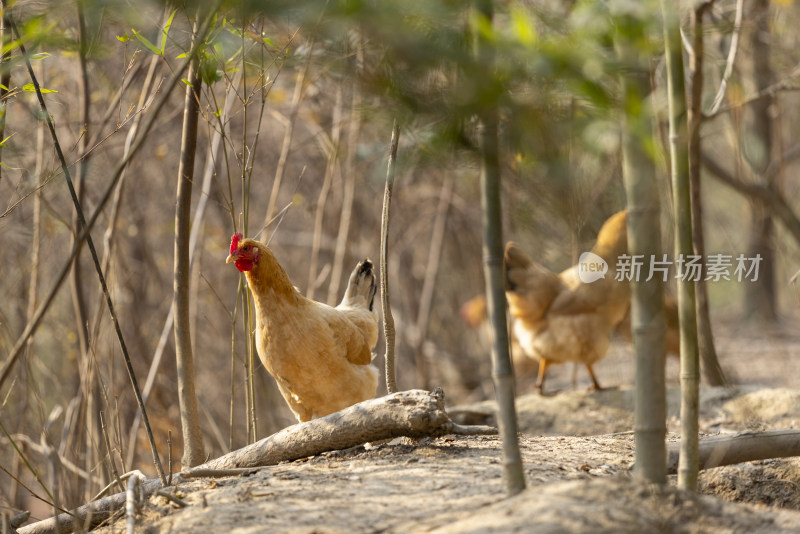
<point x="165" y="32"/>
<point x="150" y="46"/>
<point x="522" y="26"/>
<point x="3" y="142"/>
<point x="29" y="87"/>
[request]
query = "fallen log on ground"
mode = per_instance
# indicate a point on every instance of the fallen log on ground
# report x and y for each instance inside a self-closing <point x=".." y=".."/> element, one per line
<point x="413" y="413"/>
<point x="716" y="451"/>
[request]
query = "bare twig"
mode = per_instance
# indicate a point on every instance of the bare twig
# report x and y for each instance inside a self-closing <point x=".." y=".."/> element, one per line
<point x="172" y="498"/>
<point x="87" y="236"/>
<point x="130" y="503"/>
<point x="169" y="456"/>
<point x="788" y="84"/>
<point x="220" y="473"/>
<point x="770" y="196"/>
<point x="5" y="76"/>
<point x="30" y="468"/>
<point x="69" y="465"/>
<point x="342" y="235"/>
<point x="330" y="169"/>
<point x="108" y="236"/>
<point x="112" y="463"/>
<point x="297" y="97"/>
<point x="737" y="30"/>
<point x="388" y="320"/>
<point x="429" y="283"/>
<point x="59" y="279"/>
<point x="122" y="478"/>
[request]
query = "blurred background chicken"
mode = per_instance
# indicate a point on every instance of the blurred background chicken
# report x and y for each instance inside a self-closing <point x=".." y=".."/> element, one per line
<point x="475" y="316"/>
<point x="672" y="334"/>
<point x="320" y="356"/>
<point x="559" y="318"/>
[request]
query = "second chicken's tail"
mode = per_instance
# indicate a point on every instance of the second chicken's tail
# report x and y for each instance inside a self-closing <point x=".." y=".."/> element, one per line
<point x="362" y="286"/>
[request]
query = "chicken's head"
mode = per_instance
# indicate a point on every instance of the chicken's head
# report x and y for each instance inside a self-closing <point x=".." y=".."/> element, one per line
<point x="244" y="254"/>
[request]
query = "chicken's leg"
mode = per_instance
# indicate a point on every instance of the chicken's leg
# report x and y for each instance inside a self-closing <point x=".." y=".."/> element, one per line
<point x="540" y="379"/>
<point x="597" y="386"/>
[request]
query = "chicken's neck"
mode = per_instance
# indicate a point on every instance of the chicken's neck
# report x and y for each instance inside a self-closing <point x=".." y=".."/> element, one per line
<point x="268" y="280"/>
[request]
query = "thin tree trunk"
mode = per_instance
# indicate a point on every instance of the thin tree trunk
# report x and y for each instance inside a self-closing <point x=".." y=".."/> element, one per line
<point x="89" y="387"/>
<point x="349" y="183"/>
<point x="705" y="337"/>
<point x="760" y="295"/>
<point x="644" y="238"/>
<point x="193" y="451"/>
<point x="297" y="97"/>
<point x="83" y="440"/>
<point x="197" y="223"/>
<point x="429" y="283"/>
<point x="76" y="278"/>
<point x="330" y="169"/>
<point x="388" y="319"/>
<point x="493" y="270"/>
<point x="681" y="187"/>
<point x="33" y="296"/>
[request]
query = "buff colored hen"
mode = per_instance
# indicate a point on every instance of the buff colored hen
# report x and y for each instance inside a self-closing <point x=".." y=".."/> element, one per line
<point x="320" y="356"/>
<point x="559" y="318"/>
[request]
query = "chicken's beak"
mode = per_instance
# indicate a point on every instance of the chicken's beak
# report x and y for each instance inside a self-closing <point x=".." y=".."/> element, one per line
<point x="231" y="258"/>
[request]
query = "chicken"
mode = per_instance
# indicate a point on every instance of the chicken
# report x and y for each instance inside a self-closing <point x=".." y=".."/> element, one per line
<point x="475" y="316"/>
<point x="559" y="318"/>
<point x="473" y="313"/>
<point x="320" y="356"/>
<point x="672" y="333"/>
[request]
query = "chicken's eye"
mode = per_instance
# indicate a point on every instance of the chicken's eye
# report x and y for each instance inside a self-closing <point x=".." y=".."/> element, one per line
<point x="246" y="248"/>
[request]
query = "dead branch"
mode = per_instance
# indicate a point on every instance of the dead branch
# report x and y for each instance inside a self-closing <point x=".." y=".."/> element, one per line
<point x="413" y="413"/>
<point x="717" y="451"/>
<point x="770" y="196"/>
<point x="219" y="473"/>
<point x="734" y="47"/>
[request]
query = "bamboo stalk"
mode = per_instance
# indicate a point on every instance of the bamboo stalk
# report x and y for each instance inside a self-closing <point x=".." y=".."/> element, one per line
<point x="705" y="337"/>
<point x="494" y="271"/>
<point x="681" y="187"/>
<point x="644" y="238"/>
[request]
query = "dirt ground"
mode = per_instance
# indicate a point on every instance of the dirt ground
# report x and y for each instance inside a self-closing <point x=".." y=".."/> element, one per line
<point x="577" y="451"/>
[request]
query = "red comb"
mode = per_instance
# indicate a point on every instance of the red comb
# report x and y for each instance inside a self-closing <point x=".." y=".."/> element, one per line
<point x="235" y="241"/>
